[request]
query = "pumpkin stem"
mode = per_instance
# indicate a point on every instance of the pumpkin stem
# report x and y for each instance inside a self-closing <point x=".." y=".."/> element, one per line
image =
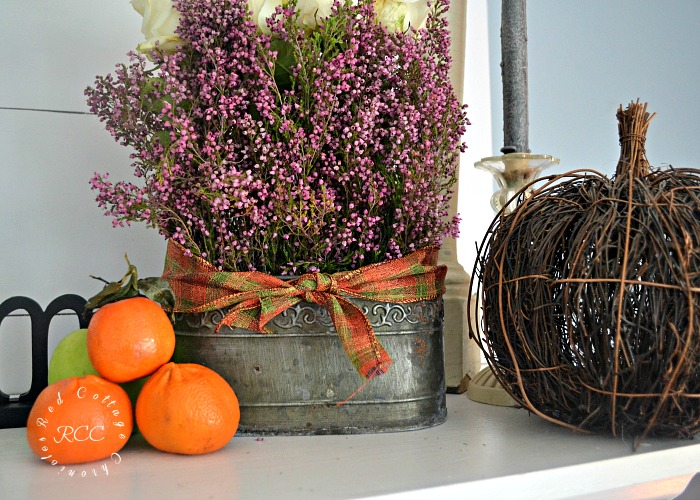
<point x="633" y="123"/>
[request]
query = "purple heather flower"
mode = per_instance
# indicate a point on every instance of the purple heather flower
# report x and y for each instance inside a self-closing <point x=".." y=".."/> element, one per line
<point x="323" y="150"/>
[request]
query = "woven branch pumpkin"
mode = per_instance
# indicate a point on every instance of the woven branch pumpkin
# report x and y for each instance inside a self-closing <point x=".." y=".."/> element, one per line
<point x="591" y="296"/>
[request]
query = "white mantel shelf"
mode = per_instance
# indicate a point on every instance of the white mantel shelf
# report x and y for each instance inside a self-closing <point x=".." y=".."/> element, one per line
<point x="480" y="452"/>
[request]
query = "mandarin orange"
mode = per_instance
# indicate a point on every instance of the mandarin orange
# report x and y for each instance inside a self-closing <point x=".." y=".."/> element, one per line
<point x="78" y="420"/>
<point x="187" y="408"/>
<point x="130" y="339"/>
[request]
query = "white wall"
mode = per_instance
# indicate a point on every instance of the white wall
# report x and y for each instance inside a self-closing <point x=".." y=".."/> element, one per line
<point x="52" y="235"/>
<point x="475" y="186"/>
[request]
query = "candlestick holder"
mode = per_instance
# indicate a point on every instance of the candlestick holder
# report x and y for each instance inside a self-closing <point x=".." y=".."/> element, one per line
<point x="513" y="172"/>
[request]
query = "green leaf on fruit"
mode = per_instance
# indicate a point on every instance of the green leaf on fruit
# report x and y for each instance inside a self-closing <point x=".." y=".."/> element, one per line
<point x="156" y="289"/>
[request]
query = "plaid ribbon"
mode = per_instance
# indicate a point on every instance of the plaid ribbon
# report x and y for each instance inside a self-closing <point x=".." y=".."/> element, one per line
<point x="255" y="298"/>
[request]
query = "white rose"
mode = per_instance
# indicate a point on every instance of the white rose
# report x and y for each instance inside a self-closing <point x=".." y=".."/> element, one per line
<point x="400" y="15"/>
<point x="311" y="11"/>
<point x="255" y="6"/>
<point x="263" y="9"/>
<point x="160" y="20"/>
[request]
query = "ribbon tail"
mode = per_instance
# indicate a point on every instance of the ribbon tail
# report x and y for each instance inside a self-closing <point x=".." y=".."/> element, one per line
<point x="357" y="337"/>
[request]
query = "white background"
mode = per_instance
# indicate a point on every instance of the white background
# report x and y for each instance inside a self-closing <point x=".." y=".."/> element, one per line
<point x="586" y="58"/>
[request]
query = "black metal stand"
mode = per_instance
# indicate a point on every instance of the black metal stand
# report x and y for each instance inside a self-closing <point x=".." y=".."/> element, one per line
<point x="14" y="410"/>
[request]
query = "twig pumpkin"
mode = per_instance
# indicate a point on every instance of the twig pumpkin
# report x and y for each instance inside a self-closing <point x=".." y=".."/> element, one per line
<point x="591" y="296"/>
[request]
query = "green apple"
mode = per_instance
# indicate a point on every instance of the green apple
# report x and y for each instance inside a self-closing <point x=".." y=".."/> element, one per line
<point x="70" y="358"/>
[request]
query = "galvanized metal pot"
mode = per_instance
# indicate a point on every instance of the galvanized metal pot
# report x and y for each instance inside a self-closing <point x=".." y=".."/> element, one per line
<point x="291" y="381"/>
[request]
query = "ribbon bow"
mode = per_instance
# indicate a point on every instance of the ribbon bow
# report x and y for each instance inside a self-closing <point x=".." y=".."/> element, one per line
<point x="255" y="298"/>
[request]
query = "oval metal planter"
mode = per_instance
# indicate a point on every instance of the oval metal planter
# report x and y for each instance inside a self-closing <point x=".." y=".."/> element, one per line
<point x="291" y="381"/>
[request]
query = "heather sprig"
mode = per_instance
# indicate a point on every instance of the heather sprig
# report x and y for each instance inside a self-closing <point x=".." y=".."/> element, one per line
<point x="293" y="151"/>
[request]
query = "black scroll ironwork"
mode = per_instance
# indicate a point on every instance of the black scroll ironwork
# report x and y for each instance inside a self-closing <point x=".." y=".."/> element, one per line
<point x="14" y="409"/>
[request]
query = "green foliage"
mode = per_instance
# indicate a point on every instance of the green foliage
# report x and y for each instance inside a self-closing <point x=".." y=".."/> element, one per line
<point x="156" y="289"/>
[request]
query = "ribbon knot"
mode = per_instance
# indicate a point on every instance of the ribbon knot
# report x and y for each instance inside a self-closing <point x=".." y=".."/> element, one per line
<point x="315" y="283"/>
<point x="254" y="298"/>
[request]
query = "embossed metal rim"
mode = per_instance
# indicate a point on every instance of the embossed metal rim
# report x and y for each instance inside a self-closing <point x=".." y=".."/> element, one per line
<point x="379" y="314"/>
